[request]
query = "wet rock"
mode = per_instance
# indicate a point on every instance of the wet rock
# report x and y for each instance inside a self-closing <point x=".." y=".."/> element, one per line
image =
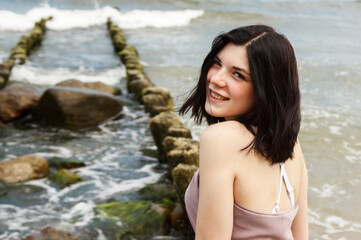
<point x="74" y="109"/>
<point x="117" y="36"/>
<point x="163" y="92"/>
<point x="119" y="41"/>
<point x="64" y="178"/>
<point x="97" y="86"/>
<point x="182" y="176"/>
<point x="150" y="152"/>
<point x="19" y="58"/>
<point x="179" y="132"/>
<point x="134" y="74"/>
<point x="50" y="233"/>
<point x="24" y="168"/>
<point x="26" y="43"/>
<point x="17" y="100"/>
<point x="138" y="85"/>
<point x="180" y="220"/>
<point x="128" y="53"/>
<point x="140" y="220"/>
<point x="68" y="163"/>
<point x="157" y="100"/>
<point x="5" y="70"/>
<point x="19" y="50"/>
<point x="159" y="192"/>
<point x="181" y="150"/>
<point x="133" y="63"/>
<point x="159" y="126"/>
<point x="3" y="82"/>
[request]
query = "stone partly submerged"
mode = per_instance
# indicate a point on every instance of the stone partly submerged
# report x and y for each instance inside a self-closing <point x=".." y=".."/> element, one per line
<point x="97" y="86"/>
<point x="159" y="126"/>
<point x="26" y="43"/>
<point x="137" y="80"/>
<point x="24" y="168"/>
<point x="157" y="100"/>
<point x="74" y="108"/>
<point x="5" y="70"/>
<point x="140" y="219"/>
<point x="17" y="100"/>
<point x="181" y="150"/>
<point x="64" y="178"/>
<point x="67" y="163"/>
<point x="182" y="176"/>
<point x="50" y="233"/>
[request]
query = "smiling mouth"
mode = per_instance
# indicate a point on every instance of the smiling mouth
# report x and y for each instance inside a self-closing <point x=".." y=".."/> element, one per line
<point x="217" y="96"/>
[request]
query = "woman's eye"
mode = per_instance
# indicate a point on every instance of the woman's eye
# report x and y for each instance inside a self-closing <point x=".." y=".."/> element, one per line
<point x="238" y="75"/>
<point x="216" y="62"/>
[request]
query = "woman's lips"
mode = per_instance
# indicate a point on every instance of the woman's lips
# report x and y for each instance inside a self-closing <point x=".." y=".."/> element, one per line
<point x="217" y="96"/>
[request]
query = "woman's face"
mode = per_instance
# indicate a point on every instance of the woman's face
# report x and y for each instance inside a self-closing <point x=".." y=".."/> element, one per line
<point x="229" y="85"/>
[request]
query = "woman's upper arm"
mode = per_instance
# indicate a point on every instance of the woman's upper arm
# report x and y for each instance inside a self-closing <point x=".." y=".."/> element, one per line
<point x="300" y="223"/>
<point x="216" y="202"/>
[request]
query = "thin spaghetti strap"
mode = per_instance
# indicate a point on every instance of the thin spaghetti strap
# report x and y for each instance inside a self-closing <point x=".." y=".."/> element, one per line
<point x="288" y="186"/>
<point x="276" y="208"/>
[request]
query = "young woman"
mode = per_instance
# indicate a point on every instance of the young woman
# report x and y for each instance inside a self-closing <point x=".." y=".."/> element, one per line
<point x="252" y="179"/>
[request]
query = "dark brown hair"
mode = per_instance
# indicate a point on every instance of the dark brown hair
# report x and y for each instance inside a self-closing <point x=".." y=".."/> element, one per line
<point x="273" y="70"/>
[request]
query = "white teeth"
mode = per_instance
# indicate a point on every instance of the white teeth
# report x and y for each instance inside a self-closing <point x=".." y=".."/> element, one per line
<point x="216" y="96"/>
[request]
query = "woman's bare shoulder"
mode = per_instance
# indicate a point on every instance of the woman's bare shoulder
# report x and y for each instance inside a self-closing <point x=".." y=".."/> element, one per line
<point x="228" y="131"/>
<point x="225" y="139"/>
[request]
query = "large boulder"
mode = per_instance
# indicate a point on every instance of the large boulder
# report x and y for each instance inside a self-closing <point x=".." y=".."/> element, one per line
<point x="181" y="150"/>
<point x="73" y="108"/>
<point x="17" y="100"/>
<point x="97" y="86"/>
<point x="140" y="219"/>
<point x="182" y="176"/>
<point x="24" y="168"/>
<point x="50" y="233"/>
<point x="159" y="126"/>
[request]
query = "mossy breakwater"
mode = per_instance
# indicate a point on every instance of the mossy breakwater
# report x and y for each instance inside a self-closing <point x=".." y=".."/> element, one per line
<point x="159" y="209"/>
<point x="21" y="51"/>
<point x="173" y="139"/>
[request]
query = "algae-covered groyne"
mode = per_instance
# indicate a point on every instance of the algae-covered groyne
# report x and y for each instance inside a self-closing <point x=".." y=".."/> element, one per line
<point x="78" y="106"/>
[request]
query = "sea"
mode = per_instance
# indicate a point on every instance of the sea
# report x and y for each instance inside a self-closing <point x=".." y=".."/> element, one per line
<point x="172" y="38"/>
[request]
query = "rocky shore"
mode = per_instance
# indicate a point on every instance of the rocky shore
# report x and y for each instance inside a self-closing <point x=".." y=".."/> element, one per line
<point x="76" y="105"/>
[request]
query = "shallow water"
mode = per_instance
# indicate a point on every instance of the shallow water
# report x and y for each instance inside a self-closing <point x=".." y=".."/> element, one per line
<point x="172" y="38"/>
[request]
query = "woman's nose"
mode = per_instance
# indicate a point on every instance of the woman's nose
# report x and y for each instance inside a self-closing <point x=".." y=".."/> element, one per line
<point x="218" y="79"/>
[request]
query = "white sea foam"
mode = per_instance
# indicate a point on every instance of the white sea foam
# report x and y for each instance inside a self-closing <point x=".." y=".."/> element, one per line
<point x="335" y="130"/>
<point x="57" y="151"/>
<point x="326" y="190"/>
<point x="69" y="19"/>
<point x="40" y="76"/>
<point x="84" y="211"/>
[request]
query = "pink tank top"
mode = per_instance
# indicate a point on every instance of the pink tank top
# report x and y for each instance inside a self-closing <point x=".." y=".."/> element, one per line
<point x="249" y="224"/>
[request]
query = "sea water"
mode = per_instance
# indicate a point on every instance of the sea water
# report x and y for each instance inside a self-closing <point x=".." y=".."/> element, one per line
<point x="172" y="38"/>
